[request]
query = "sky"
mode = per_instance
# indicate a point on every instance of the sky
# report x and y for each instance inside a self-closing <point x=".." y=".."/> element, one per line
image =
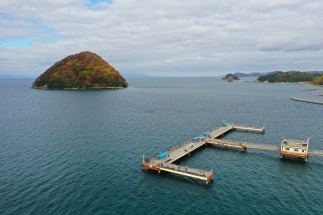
<point x="164" y="38"/>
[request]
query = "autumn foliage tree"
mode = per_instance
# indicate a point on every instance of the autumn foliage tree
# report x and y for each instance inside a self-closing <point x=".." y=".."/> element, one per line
<point x="318" y="80"/>
<point x="83" y="70"/>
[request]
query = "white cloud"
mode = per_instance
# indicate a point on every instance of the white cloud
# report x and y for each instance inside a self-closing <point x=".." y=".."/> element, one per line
<point x="165" y="37"/>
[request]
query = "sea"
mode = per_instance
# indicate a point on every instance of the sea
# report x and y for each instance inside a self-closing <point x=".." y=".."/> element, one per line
<point x="80" y="151"/>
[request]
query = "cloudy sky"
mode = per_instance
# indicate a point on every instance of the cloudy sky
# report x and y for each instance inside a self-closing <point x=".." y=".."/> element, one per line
<point x="164" y="38"/>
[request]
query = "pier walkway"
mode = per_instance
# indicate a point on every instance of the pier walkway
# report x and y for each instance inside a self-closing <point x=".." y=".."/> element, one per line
<point x="315" y="152"/>
<point x="242" y="145"/>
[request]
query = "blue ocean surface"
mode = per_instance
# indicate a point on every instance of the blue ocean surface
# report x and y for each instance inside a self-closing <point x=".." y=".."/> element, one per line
<point x="80" y="151"/>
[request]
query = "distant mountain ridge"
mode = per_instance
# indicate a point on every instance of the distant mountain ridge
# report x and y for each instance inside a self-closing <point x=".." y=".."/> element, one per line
<point x="240" y="74"/>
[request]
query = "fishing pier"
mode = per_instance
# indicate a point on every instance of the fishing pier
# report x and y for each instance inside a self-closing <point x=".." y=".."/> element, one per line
<point x="165" y="161"/>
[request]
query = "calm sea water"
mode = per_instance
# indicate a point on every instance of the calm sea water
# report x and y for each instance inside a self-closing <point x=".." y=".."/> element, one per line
<point x="80" y="152"/>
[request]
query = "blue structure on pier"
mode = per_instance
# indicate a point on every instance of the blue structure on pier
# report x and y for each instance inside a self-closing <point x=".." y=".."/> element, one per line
<point x="162" y="155"/>
<point x="196" y="138"/>
<point x="206" y="133"/>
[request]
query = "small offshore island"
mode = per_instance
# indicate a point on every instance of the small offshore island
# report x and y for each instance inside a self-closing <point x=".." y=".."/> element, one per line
<point x="230" y="77"/>
<point x="85" y="70"/>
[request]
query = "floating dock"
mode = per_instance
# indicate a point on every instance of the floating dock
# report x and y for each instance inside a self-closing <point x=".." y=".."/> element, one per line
<point x="165" y="161"/>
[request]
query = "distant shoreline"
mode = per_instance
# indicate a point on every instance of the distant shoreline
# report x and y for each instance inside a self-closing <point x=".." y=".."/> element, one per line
<point x="305" y="83"/>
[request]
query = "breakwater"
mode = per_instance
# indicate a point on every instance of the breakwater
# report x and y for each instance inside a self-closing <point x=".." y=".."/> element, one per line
<point x="308" y="101"/>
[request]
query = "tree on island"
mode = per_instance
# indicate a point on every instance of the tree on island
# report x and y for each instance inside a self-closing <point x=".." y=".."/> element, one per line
<point x="318" y="80"/>
<point x="82" y="70"/>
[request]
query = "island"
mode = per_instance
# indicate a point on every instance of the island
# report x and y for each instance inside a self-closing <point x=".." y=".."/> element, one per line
<point x="292" y="77"/>
<point x="85" y="70"/>
<point x="230" y="77"/>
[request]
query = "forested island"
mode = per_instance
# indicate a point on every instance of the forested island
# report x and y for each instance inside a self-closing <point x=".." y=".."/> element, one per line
<point x="293" y="76"/>
<point x="230" y="77"/>
<point x="84" y="70"/>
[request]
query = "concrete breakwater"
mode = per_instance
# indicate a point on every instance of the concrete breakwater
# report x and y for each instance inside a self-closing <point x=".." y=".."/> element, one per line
<point x="308" y="101"/>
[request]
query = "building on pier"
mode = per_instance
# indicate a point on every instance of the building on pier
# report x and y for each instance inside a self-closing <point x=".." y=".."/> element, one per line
<point x="294" y="149"/>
